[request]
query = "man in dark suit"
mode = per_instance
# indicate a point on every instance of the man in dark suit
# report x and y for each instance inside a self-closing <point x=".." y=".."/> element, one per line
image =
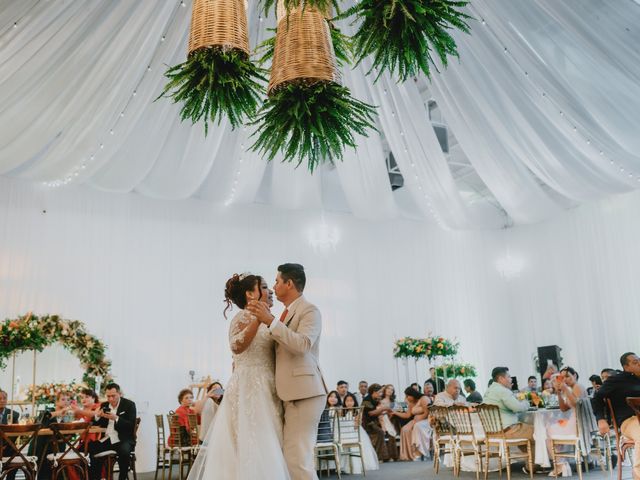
<point x="118" y="416"/>
<point x="6" y="413"/>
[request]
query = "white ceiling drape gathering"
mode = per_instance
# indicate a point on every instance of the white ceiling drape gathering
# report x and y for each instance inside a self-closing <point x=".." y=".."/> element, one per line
<point x="542" y="102"/>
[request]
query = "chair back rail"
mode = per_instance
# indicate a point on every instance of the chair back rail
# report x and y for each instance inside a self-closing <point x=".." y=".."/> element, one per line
<point x="491" y="420"/>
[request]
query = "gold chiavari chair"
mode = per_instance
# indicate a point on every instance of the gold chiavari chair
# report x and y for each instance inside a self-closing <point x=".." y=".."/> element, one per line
<point x="326" y="448"/>
<point x="466" y="440"/>
<point x="443" y="436"/>
<point x="495" y="437"/>
<point x="622" y="444"/>
<point x="181" y="452"/>
<point x="348" y="435"/>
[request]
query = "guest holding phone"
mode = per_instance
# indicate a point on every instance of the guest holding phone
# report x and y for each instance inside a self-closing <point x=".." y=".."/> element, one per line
<point x="118" y="416"/>
<point x="207" y="407"/>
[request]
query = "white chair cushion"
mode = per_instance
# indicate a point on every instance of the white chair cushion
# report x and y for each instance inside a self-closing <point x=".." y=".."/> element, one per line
<point x="106" y="453"/>
<point x="498" y="441"/>
<point x="325" y="445"/>
<point x="19" y="461"/>
<point x="69" y="456"/>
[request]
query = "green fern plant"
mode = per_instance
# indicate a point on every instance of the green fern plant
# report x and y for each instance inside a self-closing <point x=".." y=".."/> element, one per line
<point x="214" y="82"/>
<point x="311" y="122"/>
<point x="402" y="36"/>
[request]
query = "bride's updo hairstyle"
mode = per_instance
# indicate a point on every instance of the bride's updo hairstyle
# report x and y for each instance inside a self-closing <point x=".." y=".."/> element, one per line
<point x="236" y="288"/>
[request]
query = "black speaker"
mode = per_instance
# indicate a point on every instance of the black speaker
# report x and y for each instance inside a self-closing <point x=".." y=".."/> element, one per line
<point x="550" y="353"/>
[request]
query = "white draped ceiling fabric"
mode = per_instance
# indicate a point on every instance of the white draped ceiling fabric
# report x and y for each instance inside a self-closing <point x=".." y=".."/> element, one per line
<point x="543" y="103"/>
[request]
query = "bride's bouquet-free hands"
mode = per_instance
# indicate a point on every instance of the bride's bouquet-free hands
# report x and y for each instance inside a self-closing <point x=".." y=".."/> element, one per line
<point x="261" y="311"/>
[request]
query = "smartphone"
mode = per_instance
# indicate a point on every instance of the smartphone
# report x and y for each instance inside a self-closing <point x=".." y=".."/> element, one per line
<point x="218" y="391"/>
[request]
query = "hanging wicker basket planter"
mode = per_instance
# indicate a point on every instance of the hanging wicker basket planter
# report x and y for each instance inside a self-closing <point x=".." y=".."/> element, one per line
<point x="308" y="115"/>
<point x="218" y="77"/>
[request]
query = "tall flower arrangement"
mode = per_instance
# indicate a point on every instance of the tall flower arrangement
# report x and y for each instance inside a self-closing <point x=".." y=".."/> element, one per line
<point x="428" y="347"/>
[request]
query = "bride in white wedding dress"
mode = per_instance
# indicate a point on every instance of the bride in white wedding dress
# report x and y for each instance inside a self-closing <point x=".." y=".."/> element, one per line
<point x="245" y="439"/>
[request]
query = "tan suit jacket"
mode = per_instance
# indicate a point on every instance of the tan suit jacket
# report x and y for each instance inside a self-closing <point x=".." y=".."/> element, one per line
<point x="298" y="374"/>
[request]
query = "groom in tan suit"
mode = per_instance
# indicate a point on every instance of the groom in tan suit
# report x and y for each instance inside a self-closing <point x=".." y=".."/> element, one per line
<point x="299" y="381"/>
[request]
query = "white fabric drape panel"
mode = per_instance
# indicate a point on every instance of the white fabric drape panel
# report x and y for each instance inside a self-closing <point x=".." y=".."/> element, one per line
<point x="147" y="277"/>
<point x="69" y="69"/>
<point x="362" y="172"/>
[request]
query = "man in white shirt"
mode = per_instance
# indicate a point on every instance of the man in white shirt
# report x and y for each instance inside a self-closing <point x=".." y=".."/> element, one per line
<point x="118" y="416"/>
<point x="451" y="395"/>
<point x="363" y="386"/>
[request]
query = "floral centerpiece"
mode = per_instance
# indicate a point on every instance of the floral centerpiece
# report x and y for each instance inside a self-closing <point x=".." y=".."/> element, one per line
<point x="456" y="370"/>
<point x="45" y="393"/>
<point x="533" y="398"/>
<point x="425" y="347"/>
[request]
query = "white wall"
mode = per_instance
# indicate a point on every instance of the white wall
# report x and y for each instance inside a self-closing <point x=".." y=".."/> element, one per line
<point x="147" y="276"/>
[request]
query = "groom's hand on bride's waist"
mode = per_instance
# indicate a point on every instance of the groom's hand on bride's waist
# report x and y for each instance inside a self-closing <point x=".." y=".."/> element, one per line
<point x="261" y="312"/>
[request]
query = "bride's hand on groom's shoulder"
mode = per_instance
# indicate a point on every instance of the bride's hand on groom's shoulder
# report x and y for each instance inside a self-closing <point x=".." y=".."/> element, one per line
<point x="261" y="311"/>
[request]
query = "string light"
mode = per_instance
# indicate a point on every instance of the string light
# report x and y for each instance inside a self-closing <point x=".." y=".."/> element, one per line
<point x="74" y="173"/>
<point x="544" y="94"/>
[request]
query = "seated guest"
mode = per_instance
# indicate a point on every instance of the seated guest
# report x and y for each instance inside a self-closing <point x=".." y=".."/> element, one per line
<point x="473" y="396"/>
<point x="408" y="450"/>
<point x="422" y="430"/>
<point x="207" y="407"/>
<point x="499" y="393"/>
<point x="342" y="388"/>
<point x="606" y="373"/>
<point x="388" y="400"/>
<point x="86" y="411"/>
<point x="532" y="384"/>
<point x="368" y="452"/>
<point x="63" y="411"/>
<point x="547" y="387"/>
<point x="118" y="416"/>
<point x="363" y="386"/>
<point x="333" y="400"/>
<point x="185" y="398"/>
<point x="569" y="393"/>
<point x="437" y="382"/>
<point x="7" y="413"/>
<point x="372" y="410"/>
<point x="617" y="388"/>
<point x="451" y="395"/>
<point x="429" y="390"/>
<point x="596" y="383"/>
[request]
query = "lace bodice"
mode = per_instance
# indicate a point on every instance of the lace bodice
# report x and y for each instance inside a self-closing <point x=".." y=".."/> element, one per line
<point x="261" y="352"/>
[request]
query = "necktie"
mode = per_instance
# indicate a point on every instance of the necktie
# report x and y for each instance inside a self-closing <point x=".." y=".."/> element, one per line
<point x="284" y="315"/>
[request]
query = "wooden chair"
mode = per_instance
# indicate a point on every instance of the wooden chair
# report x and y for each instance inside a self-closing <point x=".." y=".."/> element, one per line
<point x="111" y="456"/>
<point x="181" y="452"/>
<point x="443" y="436"/>
<point x="326" y="448"/>
<point x="495" y="436"/>
<point x="634" y="403"/>
<point x="74" y="457"/>
<point x="194" y="432"/>
<point x="162" y="452"/>
<point x="622" y="444"/>
<point x="12" y="456"/>
<point x="466" y="441"/>
<point x="348" y="435"/>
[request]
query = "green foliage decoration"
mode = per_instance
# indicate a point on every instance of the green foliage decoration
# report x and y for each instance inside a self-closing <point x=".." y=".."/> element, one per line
<point x="402" y="36"/>
<point x="312" y="122"/>
<point x="30" y="332"/>
<point x="214" y="82"/>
